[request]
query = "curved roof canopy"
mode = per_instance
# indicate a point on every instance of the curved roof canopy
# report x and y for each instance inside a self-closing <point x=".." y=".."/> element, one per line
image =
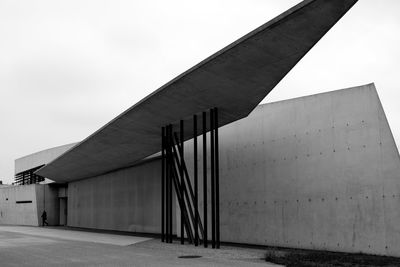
<point x="235" y="80"/>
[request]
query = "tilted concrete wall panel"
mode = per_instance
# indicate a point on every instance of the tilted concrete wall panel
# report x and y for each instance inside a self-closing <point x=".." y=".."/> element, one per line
<point x="316" y="172"/>
<point x="125" y="200"/>
<point x="24" y="204"/>
<point x="15" y="207"/>
<point x="39" y="158"/>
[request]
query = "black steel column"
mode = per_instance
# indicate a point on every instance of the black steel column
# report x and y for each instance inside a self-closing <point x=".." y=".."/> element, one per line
<point x="189" y="187"/>
<point x="162" y="184"/>
<point x="181" y="174"/>
<point x="212" y="178"/>
<point x="175" y="176"/>
<point x="196" y="220"/>
<point x="170" y="187"/>
<point x="169" y="173"/>
<point x="205" y="178"/>
<point x="168" y="177"/>
<point x="182" y="204"/>
<point x="217" y="178"/>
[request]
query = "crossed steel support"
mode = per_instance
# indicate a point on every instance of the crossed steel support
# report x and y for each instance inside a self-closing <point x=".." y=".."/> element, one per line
<point x="175" y="179"/>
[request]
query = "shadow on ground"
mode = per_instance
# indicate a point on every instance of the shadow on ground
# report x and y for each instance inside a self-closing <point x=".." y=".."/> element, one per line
<point x="303" y="258"/>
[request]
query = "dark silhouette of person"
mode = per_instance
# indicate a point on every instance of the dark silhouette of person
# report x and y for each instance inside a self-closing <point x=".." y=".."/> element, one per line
<point x="44" y="218"/>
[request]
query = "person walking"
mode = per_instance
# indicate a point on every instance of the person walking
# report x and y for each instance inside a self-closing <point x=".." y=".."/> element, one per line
<point x="44" y="218"/>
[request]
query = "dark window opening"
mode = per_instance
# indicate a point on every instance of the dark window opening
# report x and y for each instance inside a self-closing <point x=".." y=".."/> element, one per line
<point x="23" y="201"/>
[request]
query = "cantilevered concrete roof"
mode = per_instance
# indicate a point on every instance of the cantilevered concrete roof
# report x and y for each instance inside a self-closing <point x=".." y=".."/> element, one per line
<point x="235" y="80"/>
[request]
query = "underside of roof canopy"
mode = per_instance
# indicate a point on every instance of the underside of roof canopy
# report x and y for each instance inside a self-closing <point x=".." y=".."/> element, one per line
<point x="235" y="80"/>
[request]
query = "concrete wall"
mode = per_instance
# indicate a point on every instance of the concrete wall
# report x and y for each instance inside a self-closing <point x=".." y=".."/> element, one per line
<point x="317" y="172"/>
<point x="47" y="199"/>
<point x="125" y="200"/>
<point x="40" y="158"/>
<point x="63" y="211"/>
<point x="41" y="197"/>
<point x="12" y="212"/>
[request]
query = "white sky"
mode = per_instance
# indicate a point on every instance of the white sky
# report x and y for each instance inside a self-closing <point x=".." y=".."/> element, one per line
<point x="69" y="67"/>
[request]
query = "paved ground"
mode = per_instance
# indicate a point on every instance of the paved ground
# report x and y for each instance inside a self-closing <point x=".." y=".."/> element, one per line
<point x="36" y="246"/>
<point x="58" y="232"/>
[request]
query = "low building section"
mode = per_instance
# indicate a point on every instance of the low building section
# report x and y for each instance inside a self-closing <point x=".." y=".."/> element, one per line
<point x="24" y="204"/>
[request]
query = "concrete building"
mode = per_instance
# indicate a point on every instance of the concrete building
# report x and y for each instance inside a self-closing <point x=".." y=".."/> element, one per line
<point x="317" y="172"/>
<point x="24" y="202"/>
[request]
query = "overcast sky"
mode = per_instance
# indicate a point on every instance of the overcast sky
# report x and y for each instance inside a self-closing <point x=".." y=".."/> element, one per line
<point x="69" y="67"/>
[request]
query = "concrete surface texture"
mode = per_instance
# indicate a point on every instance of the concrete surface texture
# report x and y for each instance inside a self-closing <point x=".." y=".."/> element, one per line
<point x="126" y="200"/>
<point x="316" y="172"/>
<point x="54" y="247"/>
<point x="24" y="204"/>
<point x="39" y="158"/>
<point x="234" y="79"/>
<point x="47" y="199"/>
<point x="15" y="207"/>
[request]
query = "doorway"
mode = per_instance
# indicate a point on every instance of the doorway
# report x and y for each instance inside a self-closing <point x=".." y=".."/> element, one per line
<point x="63" y="210"/>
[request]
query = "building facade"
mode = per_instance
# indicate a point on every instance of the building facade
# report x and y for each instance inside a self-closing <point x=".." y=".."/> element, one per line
<point x="316" y="172"/>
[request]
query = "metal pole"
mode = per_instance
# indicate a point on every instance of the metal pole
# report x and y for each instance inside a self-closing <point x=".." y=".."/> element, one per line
<point x="189" y="185"/>
<point x="217" y="178"/>
<point x="162" y="182"/>
<point x="205" y="178"/>
<point x="186" y="194"/>
<point x="196" y="220"/>
<point x="212" y="178"/>
<point x="168" y="177"/>
<point x="182" y="204"/>
<point x="170" y="188"/>
<point x="181" y="174"/>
